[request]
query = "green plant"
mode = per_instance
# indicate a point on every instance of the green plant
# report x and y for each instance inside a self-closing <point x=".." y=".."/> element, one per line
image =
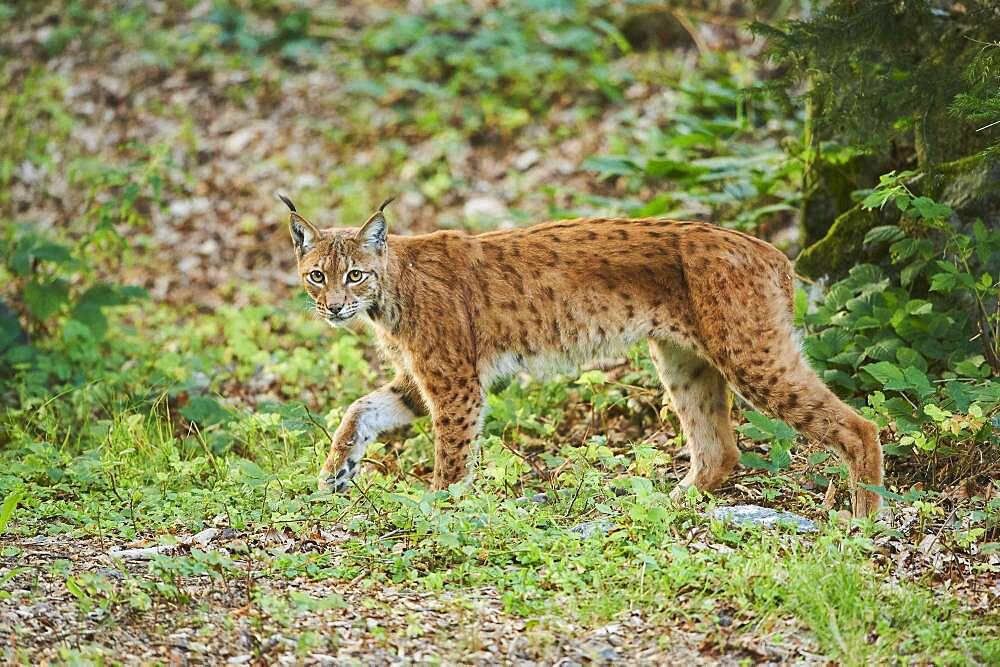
<point x="777" y="433"/>
<point x="890" y="83"/>
<point x="490" y="70"/>
<point x="919" y="339"/>
<point x="716" y="152"/>
<point x="9" y="505"/>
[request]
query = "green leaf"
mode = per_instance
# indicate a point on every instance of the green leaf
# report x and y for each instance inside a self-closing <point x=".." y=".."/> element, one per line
<point x="20" y="258"/>
<point x="592" y="377"/>
<point x="10" y="327"/>
<point x="801" y="306"/>
<point x="781" y="456"/>
<point x="908" y="497"/>
<point x="52" y="252"/>
<point x="960" y="394"/>
<point x="911" y="271"/>
<point x="884" y="234"/>
<point x="936" y="413"/>
<point x="818" y="457"/>
<point x="887" y="374"/>
<point x="917" y="381"/>
<point x="206" y="411"/>
<point x="7" y="509"/>
<point x="663" y="168"/>
<point x="762" y="427"/>
<point x="901" y="412"/>
<point x="755" y="461"/>
<point x="973" y="367"/>
<point x="253" y="473"/>
<point x="839" y="378"/>
<point x="609" y="166"/>
<point x="928" y="209"/>
<point x="74" y="587"/>
<point x="944" y="282"/>
<point x="878" y="198"/>
<point x="89" y="308"/>
<point x="907" y="356"/>
<point x="44" y="299"/>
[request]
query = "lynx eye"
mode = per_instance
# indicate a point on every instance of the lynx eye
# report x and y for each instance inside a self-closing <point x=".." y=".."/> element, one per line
<point x="355" y="276"/>
<point x="317" y="277"/>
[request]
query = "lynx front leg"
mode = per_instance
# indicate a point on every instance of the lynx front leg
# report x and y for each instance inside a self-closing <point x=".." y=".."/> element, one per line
<point x="391" y="406"/>
<point x="456" y="409"/>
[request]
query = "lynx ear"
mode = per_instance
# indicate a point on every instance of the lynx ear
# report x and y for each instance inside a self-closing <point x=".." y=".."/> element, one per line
<point x="304" y="234"/>
<point x="373" y="234"/>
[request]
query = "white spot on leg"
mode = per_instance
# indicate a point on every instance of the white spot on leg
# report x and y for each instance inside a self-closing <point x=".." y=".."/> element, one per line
<point x="376" y="413"/>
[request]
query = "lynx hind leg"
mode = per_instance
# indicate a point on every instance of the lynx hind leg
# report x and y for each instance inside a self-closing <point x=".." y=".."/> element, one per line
<point x="391" y="406"/>
<point x="772" y="373"/>
<point x="702" y="402"/>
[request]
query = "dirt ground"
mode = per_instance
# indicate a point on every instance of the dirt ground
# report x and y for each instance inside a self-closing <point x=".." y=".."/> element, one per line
<point x="238" y="622"/>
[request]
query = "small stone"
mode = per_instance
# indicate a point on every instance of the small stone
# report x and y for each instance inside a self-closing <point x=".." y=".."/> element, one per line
<point x="199" y="382"/>
<point x="142" y="553"/>
<point x="205" y="536"/>
<point x="755" y="515"/>
<point x="609" y="654"/>
<point x="306" y="180"/>
<point x="527" y="159"/>
<point x="589" y="528"/>
<point x="238" y="140"/>
<point x="239" y="659"/>
<point x="484" y="207"/>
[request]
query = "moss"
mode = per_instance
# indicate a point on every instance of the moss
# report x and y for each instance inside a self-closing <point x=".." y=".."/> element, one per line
<point x="841" y="248"/>
<point x="828" y="191"/>
<point x="971" y="186"/>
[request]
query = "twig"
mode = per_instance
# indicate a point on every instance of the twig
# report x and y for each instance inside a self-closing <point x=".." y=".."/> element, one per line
<point x="530" y="461"/>
<point x="692" y="30"/>
<point x="576" y="495"/>
<point x="364" y="493"/>
<point x="309" y="414"/>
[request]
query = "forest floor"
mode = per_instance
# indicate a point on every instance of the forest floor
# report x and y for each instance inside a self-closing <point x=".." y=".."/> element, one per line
<point x="199" y="432"/>
<point x="97" y="598"/>
<point x="260" y="619"/>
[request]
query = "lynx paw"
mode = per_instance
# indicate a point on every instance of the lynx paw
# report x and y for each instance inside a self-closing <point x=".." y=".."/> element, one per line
<point x="679" y="492"/>
<point x="341" y="479"/>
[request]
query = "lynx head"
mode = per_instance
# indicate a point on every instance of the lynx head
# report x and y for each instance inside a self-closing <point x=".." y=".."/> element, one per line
<point x="341" y="269"/>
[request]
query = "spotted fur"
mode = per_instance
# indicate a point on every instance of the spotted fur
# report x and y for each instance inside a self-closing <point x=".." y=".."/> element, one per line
<point x="456" y="312"/>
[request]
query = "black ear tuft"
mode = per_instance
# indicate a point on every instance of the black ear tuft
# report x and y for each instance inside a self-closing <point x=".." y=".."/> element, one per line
<point x="288" y="202"/>
<point x="373" y="234"/>
<point x="304" y="235"/>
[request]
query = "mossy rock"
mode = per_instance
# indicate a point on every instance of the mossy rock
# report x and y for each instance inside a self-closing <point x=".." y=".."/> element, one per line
<point x="829" y="194"/>
<point x="843" y="246"/>
<point x="970" y="186"/>
<point x="655" y="29"/>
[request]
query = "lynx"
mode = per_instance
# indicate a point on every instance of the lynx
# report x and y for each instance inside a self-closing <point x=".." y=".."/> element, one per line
<point x="455" y="313"/>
